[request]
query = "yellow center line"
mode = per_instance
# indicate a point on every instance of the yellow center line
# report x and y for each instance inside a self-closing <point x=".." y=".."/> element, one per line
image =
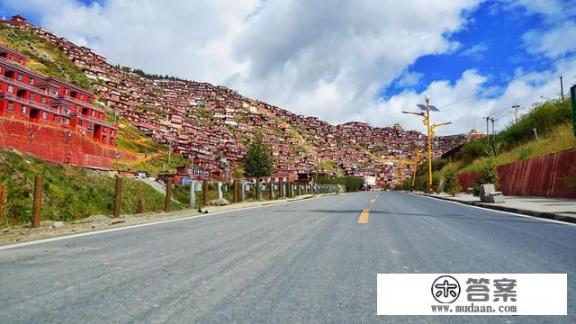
<point x="363" y="219"/>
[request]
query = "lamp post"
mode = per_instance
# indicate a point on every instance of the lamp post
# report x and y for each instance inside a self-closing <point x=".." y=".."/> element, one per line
<point x="430" y="129"/>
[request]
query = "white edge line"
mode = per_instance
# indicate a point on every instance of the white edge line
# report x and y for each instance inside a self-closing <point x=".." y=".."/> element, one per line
<point x="128" y="227"/>
<point x="497" y="211"/>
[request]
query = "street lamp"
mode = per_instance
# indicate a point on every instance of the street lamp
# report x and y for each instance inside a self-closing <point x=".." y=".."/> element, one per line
<point x="425" y="114"/>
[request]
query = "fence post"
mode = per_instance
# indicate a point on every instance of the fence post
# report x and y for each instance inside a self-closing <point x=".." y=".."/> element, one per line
<point x="271" y="189"/>
<point x="236" y="190"/>
<point x="117" y="196"/>
<point x="281" y="187"/>
<point x="219" y="184"/>
<point x="192" y="194"/>
<point x="258" y="189"/>
<point x="2" y="199"/>
<point x="205" y="192"/>
<point x="168" y="198"/>
<point x="37" y="204"/>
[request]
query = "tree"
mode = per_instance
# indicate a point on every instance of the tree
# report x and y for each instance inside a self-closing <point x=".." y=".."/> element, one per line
<point x="258" y="161"/>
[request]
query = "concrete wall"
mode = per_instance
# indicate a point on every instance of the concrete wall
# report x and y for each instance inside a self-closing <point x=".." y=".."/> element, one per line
<point x="543" y="176"/>
<point x="58" y="145"/>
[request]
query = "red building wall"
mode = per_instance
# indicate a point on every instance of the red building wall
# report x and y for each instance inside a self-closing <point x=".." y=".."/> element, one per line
<point x="58" y="145"/>
<point x="543" y="176"/>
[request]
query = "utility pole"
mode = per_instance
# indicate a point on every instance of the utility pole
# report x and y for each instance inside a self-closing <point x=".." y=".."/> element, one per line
<point x="430" y="132"/>
<point x="487" y="126"/>
<point x="493" y="120"/>
<point x="516" y="112"/>
<point x="562" y="87"/>
<point x="573" y="96"/>
<point x="493" y="136"/>
<point x="416" y="162"/>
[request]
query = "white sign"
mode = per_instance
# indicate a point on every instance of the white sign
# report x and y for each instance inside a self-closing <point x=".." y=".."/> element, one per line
<point x="472" y="294"/>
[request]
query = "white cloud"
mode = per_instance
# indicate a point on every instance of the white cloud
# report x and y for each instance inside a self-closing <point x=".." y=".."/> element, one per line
<point x="475" y="52"/>
<point x="409" y="79"/>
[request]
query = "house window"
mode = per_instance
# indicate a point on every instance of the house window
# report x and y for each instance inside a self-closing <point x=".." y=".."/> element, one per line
<point x="44" y="115"/>
<point x="33" y="97"/>
<point x="10" y="107"/>
<point x="65" y="121"/>
<point x="31" y="81"/>
<point x="43" y="100"/>
<point x="21" y="62"/>
<point x="24" y="110"/>
<point x="20" y="77"/>
<point x="10" y="89"/>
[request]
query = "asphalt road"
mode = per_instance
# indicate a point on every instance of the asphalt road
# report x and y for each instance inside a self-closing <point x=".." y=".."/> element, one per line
<point x="302" y="262"/>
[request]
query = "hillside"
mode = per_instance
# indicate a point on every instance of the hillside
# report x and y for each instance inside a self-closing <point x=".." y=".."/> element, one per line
<point x="213" y="123"/>
<point x="552" y="121"/>
<point x="70" y="193"/>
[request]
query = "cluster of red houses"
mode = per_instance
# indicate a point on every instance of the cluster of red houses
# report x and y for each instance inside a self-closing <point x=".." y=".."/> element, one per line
<point x="212" y="124"/>
<point x="62" y="116"/>
<point x="29" y="96"/>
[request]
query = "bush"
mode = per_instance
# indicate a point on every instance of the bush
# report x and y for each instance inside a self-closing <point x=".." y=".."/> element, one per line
<point x="474" y="150"/>
<point x="488" y="174"/>
<point x="451" y="183"/>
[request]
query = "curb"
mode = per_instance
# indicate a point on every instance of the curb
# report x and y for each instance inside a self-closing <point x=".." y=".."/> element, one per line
<point x="532" y="213"/>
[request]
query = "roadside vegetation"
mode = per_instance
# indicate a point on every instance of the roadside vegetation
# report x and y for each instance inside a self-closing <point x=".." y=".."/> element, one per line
<point x="70" y="193"/>
<point x="546" y="129"/>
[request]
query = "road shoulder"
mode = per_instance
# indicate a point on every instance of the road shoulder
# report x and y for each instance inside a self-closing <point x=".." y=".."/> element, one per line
<point x="564" y="217"/>
<point x="100" y="223"/>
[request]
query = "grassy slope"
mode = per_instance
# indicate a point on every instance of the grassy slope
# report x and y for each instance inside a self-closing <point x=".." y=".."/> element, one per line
<point x="44" y="56"/>
<point x="552" y="120"/>
<point x="69" y="192"/>
<point x="560" y="138"/>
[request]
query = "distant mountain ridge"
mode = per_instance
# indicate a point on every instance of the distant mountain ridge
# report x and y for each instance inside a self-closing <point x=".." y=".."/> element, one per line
<point x="212" y="124"/>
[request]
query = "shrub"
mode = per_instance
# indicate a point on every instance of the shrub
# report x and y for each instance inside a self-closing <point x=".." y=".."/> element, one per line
<point x="488" y="174"/>
<point x="451" y="183"/>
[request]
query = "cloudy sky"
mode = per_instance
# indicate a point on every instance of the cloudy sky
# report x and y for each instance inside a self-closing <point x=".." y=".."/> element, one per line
<point x="340" y="60"/>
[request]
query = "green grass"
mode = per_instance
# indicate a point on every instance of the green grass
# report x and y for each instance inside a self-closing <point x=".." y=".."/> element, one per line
<point x="560" y="138"/>
<point x="70" y="193"/>
<point x="130" y="137"/>
<point x="45" y="57"/>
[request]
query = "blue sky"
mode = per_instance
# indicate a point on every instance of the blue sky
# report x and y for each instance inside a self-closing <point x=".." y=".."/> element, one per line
<point x="364" y="60"/>
<point x="490" y="43"/>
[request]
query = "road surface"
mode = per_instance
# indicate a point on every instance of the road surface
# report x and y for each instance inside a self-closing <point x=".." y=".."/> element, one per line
<point x="312" y="261"/>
